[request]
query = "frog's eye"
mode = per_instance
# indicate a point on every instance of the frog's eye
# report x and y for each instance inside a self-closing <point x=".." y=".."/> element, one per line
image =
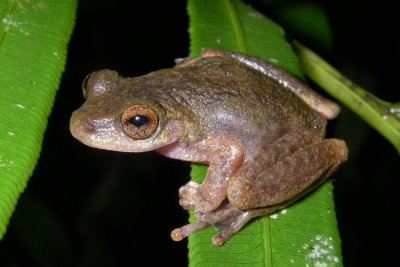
<point x="139" y="121"/>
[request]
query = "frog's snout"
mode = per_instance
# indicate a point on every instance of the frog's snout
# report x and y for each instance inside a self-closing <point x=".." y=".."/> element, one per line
<point x="75" y="125"/>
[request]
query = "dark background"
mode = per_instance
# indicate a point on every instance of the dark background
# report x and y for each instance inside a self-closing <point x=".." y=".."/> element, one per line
<point x="88" y="207"/>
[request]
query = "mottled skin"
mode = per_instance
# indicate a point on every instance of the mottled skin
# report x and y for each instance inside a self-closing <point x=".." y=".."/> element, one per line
<point x="260" y="130"/>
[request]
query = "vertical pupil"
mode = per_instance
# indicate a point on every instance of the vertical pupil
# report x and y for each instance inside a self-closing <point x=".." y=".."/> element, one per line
<point x="139" y="120"/>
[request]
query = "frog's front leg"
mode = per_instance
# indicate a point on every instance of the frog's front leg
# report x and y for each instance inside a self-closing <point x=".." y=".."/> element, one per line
<point x="224" y="158"/>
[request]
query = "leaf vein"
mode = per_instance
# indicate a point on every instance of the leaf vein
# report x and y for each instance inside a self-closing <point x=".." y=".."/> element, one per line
<point x="237" y="27"/>
<point x="5" y="19"/>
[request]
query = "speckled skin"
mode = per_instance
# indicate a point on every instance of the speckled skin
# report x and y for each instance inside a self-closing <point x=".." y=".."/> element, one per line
<point x="260" y="130"/>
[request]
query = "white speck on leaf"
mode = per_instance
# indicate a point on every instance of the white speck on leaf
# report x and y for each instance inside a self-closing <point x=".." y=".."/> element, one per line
<point x="284" y="211"/>
<point x="11" y="133"/>
<point x="317" y="252"/>
<point x="321" y="252"/>
<point x="39" y="6"/>
<point x="320" y="264"/>
<point x="333" y="258"/>
<point x="5" y="163"/>
<point x="254" y="14"/>
<point x="274" y="216"/>
<point x="56" y="55"/>
<point x="273" y="60"/>
<point x="20" y="106"/>
<point x="9" y="22"/>
<point x="395" y="109"/>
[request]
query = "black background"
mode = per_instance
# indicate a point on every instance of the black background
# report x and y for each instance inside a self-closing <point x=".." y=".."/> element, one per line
<point x="88" y="207"/>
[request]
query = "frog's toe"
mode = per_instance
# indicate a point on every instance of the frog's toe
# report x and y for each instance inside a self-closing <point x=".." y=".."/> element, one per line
<point x="188" y="195"/>
<point x="190" y="198"/>
<point x="218" y="240"/>
<point x="187" y="204"/>
<point x="180" y="233"/>
<point x="190" y="187"/>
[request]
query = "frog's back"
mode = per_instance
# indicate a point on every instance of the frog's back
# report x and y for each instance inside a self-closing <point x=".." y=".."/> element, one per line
<point x="232" y="98"/>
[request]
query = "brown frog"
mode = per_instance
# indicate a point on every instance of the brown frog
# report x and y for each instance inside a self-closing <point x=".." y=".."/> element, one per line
<point x="260" y="130"/>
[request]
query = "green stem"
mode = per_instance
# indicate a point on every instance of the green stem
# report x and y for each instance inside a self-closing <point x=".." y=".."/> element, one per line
<point x="381" y="115"/>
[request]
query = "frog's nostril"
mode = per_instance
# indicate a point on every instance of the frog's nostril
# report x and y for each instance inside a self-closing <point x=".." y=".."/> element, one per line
<point x="80" y="126"/>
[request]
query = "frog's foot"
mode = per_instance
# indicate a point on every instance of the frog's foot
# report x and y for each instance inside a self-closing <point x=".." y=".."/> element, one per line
<point x="190" y="197"/>
<point x="227" y="219"/>
<point x="231" y="226"/>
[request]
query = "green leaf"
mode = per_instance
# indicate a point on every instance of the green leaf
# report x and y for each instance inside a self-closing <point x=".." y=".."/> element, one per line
<point x="303" y="234"/>
<point x="234" y="26"/>
<point x="383" y="116"/>
<point x="33" y="47"/>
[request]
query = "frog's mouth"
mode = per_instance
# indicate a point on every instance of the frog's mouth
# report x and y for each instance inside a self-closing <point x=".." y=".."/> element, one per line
<point x="107" y="134"/>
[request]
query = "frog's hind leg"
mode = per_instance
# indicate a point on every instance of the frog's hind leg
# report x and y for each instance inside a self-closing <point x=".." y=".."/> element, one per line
<point x="279" y="182"/>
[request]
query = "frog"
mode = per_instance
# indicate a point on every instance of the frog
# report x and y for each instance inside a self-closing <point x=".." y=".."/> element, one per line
<point x="260" y="130"/>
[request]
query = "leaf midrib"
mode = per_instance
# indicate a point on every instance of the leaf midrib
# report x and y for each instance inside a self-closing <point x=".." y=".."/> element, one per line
<point x="9" y="8"/>
<point x="266" y="233"/>
<point x="237" y="27"/>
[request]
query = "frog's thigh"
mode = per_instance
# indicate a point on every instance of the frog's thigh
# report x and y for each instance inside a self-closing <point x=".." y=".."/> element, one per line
<point x="287" y="179"/>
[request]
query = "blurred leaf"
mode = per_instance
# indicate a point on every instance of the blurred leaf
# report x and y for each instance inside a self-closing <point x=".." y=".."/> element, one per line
<point x="305" y="234"/>
<point x="307" y="21"/>
<point x="33" y="46"/>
